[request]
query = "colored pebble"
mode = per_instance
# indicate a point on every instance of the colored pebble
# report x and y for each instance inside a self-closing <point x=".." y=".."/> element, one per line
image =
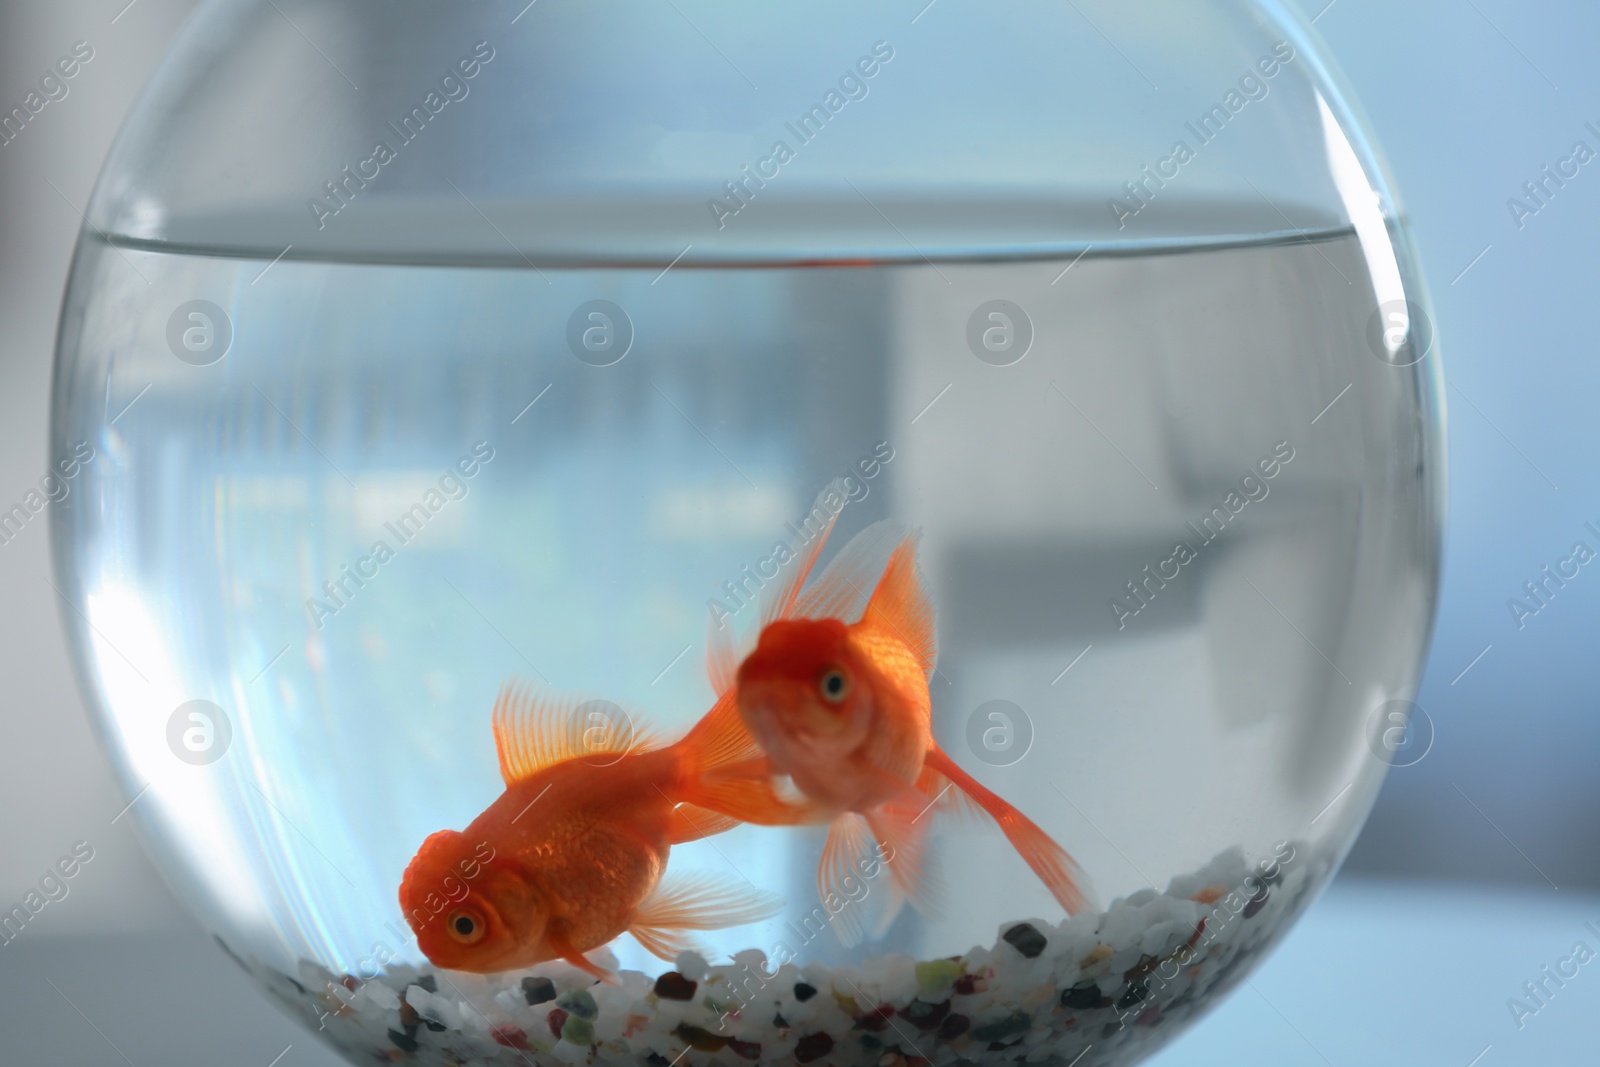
<point x="804" y="991"/>
<point x="1026" y="939"/>
<point x="410" y="1017"/>
<point x="674" y="986"/>
<point x="511" y="1037"/>
<point x="1015" y="1023"/>
<point x="1257" y="902"/>
<point x="813" y="1046"/>
<point x="1097" y="955"/>
<point x="403" y="1042"/>
<point x="1085" y="994"/>
<point x="934" y="975"/>
<point x="578" y="1002"/>
<point x="925" y="1016"/>
<point x="954" y="1026"/>
<point x="538" y="990"/>
<point x="779" y="1021"/>
<point x="966" y="985"/>
<point x="869" y="1043"/>
<point x="749" y="1050"/>
<point x="1135" y="994"/>
<point x="578" y="1031"/>
<point x="1139" y="970"/>
<point x="876" y="1020"/>
<point x="557" y="1019"/>
<point x="704" y="1040"/>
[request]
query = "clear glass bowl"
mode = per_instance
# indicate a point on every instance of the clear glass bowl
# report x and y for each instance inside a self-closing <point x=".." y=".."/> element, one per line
<point x="412" y="347"/>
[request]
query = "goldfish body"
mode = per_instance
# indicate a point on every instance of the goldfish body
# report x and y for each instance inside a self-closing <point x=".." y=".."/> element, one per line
<point x="572" y="853"/>
<point x="843" y="709"/>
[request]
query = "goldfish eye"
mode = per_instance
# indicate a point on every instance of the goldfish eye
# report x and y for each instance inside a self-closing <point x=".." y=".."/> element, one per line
<point x="834" y="684"/>
<point x="465" y="926"/>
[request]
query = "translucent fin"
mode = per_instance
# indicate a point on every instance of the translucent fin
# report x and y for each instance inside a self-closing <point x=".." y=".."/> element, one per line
<point x="891" y="901"/>
<point x="724" y="652"/>
<point x="726" y="647"/>
<point x="1055" y="868"/>
<point x="901" y="826"/>
<point x="844" y="586"/>
<point x="534" y="731"/>
<point x="848" y="845"/>
<point x="699" y="901"/>
<point x="690" y="823"/>
<point x="780" y="600"/>
<point x="564" y="949"/>
<point x="900" y="604"/>
<point x="664" y="944"/>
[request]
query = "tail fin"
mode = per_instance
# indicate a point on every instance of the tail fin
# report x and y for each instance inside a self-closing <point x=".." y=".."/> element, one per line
<point x="1057" y="870"/>
<point x="719" y="739"/>
<point x="725" y="648"/>
<point x="721" y="768"/>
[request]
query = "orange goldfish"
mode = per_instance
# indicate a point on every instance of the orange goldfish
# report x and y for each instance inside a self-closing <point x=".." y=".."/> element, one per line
<point x="843" y="709"/>
<point x="572" y="853"/>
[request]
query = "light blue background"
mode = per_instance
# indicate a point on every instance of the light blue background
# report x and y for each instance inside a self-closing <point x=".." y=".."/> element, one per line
<point x="1469" y="99"/>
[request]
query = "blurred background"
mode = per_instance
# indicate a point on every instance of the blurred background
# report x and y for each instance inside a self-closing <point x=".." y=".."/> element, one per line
<point x="1479" y="865"/>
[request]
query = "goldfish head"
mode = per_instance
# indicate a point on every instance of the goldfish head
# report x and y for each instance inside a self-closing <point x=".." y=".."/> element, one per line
<point x="803" y="694"/>
<point x="469" y="911"/>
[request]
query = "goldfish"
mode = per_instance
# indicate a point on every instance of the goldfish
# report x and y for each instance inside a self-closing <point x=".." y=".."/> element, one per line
<point x="836" y="695"/>
<point x="572" y="853"/>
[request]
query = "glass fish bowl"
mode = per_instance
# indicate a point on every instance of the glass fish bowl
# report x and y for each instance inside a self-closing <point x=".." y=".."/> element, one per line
<point x="456" y="393"/>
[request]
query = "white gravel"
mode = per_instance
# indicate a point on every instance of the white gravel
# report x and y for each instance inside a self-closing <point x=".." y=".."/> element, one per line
<point x="1093" y="990"/>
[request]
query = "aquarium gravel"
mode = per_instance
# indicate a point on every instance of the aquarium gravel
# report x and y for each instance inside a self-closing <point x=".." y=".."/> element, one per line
<point x="1093" y="989"/>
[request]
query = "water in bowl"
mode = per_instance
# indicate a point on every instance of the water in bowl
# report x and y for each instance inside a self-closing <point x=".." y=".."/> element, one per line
<point x="1176" y="510"/>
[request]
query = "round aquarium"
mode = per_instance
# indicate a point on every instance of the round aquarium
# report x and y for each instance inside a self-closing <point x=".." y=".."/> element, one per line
<point x="853" y="534"/>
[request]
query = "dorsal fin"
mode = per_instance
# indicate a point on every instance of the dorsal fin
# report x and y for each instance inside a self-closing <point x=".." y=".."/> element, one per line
<point x="724" y="651"/>
<point x="875" y="578"/>
<point x="778" y="601"/>
<point x="726" y="647"/>
<point x="900" y="605"/>
<point x="534" y="731"/>
<point x="843" y="588"/>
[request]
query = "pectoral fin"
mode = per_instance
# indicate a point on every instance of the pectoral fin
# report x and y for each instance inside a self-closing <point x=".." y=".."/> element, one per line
<point x="844" y="854"/>
<point x="566" y="951"/>
<point x="699" y="901"/>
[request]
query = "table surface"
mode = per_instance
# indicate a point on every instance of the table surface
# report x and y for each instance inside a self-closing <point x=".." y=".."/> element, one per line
<point x="1377" y="973"/>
